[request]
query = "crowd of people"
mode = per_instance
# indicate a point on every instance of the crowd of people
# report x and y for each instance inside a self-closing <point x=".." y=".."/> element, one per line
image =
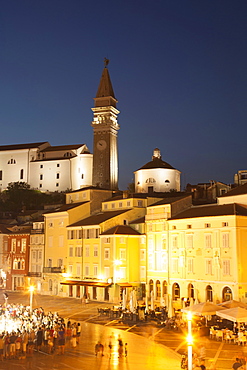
<point x="22" y="330"/>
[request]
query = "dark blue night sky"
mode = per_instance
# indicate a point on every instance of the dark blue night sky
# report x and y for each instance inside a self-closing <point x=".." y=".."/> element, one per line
<point x="178" y="69"/>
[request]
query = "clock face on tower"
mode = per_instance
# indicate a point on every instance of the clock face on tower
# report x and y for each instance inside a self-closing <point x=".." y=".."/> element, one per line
<point x="101" y="144"/>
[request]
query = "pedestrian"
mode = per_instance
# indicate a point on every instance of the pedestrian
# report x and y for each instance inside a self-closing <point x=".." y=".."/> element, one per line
<point x="126" y="349"/>
<point x="120" y="346"/>
<point x="97" y="348"/>
<point x="202" y="366"/>
<point x="237" y="364"/>
<point x="78" y="332"/>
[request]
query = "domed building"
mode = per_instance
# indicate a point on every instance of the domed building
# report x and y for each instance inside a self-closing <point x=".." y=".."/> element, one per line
<point x="157" y="176"/>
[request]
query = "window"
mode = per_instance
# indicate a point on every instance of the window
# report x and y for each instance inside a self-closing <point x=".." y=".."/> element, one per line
<point x="225" y="240"/>
<point x="174" y="227"/>
<point x="189" y="226"/>
<point x="107" y="272"/>
<point x="82" y="176"/>
<point x="189" y="241"/>
<point x="150" y="180"/>
<point x="41" y="166"/>
<point x="12" y="161"/>
<point x="209" y="266"/>
<point x="40" y="185"/>
<point x="95" y="270"/>
<point x="105" y="206"/>
<point x="120" y="205"/>
<point x="142" y="254"/>
<point x="49" y="262"/>
<point x="139" y="203"/>
<point x="21" y="174"/>
<point x="174" y="265"/>
<point x="207" y="225"/>
<point x="106" y="240"/>
<point x="151" y="261"/>
<point x="190" y="265"/>
<point x="122" y="254"/>
<point x="71" y="251"/>
<point x="50" y="224"/>
<point x="41" y="177"/>
<point x="87" y="270"/>
<point x="122" y="272"/>
<point x="23" y="245"/>
<point x="78" y="251"/>
<point x="95" y="251"/>
<point x="128" y="204"/>
<point x="57" y="184"/>
<point x="59" y="262"/>
<point x="1" y="175"/>
<point x="224" y="224"/>
<point x="122" y="240"/>
<point x="57" y="176"/>
<point x="87" y="251"/>
<point x="174" y="242"/>
<point x="13" y="245"/>
<point x="208" y="241"/>
<point x="58" y="165"/>
<point x="67" y="154"/>
<point x="113" y="205"/>
<point x="226" y="267"/>
<point x="107" y="253"/>
<point x="164" y="262"/>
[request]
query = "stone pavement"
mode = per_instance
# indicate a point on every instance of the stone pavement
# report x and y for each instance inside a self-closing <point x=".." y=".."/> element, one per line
<point x="148" y="343"/>
<point x="143" y="352"/>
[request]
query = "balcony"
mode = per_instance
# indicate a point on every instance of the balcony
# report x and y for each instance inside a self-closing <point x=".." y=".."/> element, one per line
<point x="37" y="231"/>
<point x="34" y="274"/>
<point x="53" y="270"/>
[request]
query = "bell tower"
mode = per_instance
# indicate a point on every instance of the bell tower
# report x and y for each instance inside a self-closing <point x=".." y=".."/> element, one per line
<point x="105" y="129"/>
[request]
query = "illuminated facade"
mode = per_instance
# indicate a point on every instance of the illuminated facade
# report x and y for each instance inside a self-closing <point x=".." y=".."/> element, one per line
<point x="157" y="176"/>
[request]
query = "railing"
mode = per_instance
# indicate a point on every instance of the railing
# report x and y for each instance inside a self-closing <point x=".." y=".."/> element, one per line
<point x="54" y="270"/>
<point x="37" y="231"/>
<point x="34" y="274"/>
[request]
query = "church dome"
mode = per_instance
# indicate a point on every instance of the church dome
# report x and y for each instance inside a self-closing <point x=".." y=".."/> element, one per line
<point x="156" y="162"/>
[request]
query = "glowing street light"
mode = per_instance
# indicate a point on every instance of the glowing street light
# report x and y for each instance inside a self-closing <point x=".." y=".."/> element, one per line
<point x="189" y="340"/>
<point x="31" y="290"/>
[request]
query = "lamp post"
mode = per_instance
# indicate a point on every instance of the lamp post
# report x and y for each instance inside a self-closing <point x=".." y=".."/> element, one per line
<point x="189" y="340"/>
<point x="31" y="290"/>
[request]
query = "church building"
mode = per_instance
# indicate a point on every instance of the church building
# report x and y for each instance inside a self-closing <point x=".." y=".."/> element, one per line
<point x="69" y="167"/>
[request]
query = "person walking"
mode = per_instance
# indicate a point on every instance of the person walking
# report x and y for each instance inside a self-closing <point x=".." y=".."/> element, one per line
<point x="237" y="364"/>
<point x="126" y="349"/>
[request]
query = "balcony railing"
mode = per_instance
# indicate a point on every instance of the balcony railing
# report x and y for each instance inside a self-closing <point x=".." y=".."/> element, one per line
<point x="34" y="274"/>
<point x="37" y="231"/>
<point x="54" y="270"/>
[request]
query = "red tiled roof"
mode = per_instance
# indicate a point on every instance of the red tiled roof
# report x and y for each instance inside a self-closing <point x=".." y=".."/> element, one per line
<point x="121" y="230"/>
<point x="214" y="210"/>
<point x="22" y="146"/>
<point x="239" y="190"/>
<point x="97" y="219"/>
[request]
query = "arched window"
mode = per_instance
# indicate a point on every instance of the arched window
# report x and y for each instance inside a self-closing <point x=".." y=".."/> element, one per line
<point x="11" y="161"/>
<point x="190" y="291"/>
<point x="150" y="180"/>
<point x="167" y="181"/>
<point x="209" y="293"/>
<point x="164" y="287"/>
<point x="67" y="154"/>
<point x="21" y="174"/>
<point x="158" y="289"/>
<point x="226" y="294"/>
<point x="175" y="291"/>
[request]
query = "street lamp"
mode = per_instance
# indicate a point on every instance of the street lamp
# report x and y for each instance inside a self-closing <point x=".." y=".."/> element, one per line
<point x="189" y="340"/>
<point x="31" y="290"/>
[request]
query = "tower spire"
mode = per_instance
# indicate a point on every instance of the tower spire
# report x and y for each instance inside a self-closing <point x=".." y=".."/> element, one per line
<point x="105" y="95"/>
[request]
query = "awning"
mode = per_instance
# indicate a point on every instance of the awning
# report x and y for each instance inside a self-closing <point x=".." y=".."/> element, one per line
<point x="124" y="285"/>
<point x="99" y="284"/>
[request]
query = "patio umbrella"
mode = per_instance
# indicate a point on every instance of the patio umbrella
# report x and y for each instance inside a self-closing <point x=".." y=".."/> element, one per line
<point x="203" y="309"/>
<point x="235" y="314"/>
<point x="131" y="302"/>
<point x="232" y="304"/>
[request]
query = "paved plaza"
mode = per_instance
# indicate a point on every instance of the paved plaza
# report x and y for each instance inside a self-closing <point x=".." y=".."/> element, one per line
<point x="150" y="346"/>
